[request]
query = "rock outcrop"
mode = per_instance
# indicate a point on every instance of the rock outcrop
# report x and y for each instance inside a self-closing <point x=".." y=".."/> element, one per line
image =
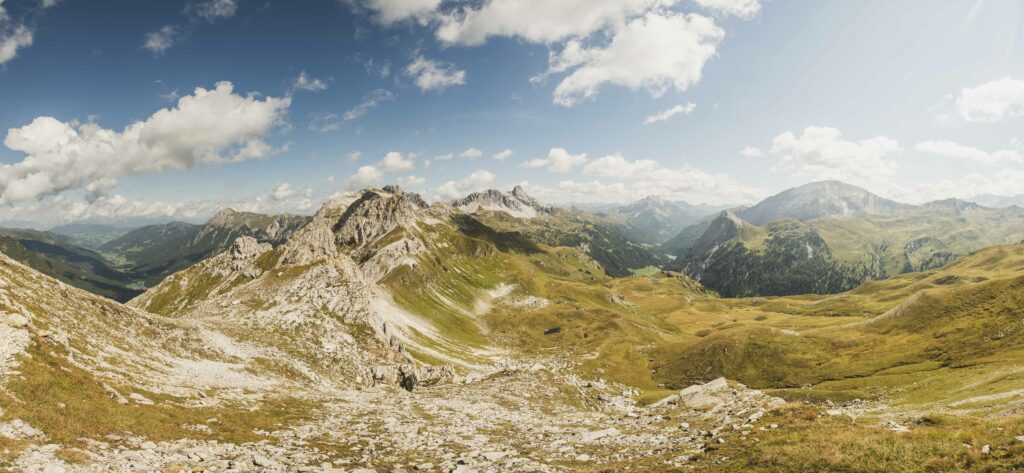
<point x="516" y="203"/>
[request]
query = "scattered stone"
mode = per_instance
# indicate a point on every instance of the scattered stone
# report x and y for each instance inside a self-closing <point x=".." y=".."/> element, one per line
<point x="140" y="399"/>
<point x="599" y="434"/>
<point x="15" y="320"/>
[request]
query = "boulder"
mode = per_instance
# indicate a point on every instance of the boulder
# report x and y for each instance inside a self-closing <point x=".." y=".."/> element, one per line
<point x="15" y="320"/>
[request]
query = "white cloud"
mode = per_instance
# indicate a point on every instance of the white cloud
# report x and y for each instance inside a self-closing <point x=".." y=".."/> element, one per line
<point x="745" y="9"/>
<point x="13" y="36"/>
<point x="213" y="10"/>
<point x="686" y="184"/>
<point x="395" y="162"/>
<point x="992" y="101"/>
<point x="324" y="122"/>
<point x="370" y="102"/>
<point x="617" y="166"/>
<point x="392" y="11"/>
<point x="647" y="178"/>
<point x="656" y="52"/>
<point x="380" y="69"/>
<point x="431" y="75"/>
<point x="666" y="114"/>
<point x="199" y="130"/>
<point x="444" y="157"/>
<point x="752" y="152"/>
<point x="1004" y="182"/>
<point x="366" y="176"/>
<point x="309" y="84"/>
<point x="950" y="149"/>
<point x="822" y="153"/>
<point x="354" y="156"/>
<point x="475" y="182"/>
<point x="503" y="155"/>
<point x="283" y="191"/>
<point x="538" y="21"/>
<point x="160" y="40"/>
<point x="471" y="153"/>
<point x="558" y="161"/>
<point x="410" y="181"/>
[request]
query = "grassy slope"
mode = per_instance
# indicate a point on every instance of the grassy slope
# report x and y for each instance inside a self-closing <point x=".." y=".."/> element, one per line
<point x="55" y="256"/>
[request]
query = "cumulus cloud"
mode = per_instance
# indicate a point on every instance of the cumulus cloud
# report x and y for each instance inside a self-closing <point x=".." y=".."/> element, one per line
<point x="160" y="40"/>
<point x="538" y="21"/>
<point x="213" y="10"/>
<point x="752" y="152"/>
<point x="559" y="161"/>
<point x="950" y="149"/>
<point x="208" y="127"/>
<point x="647" y="177"/>
<point x="503" y="155"/>
<point x="396" y="162"/>
<point x="410" y="181"/>
<point x="13" y="36"/>
<point x="744" y="9"/>
<point x="432" y="75"/>
<point x="992" y="101"/>
<point x="444" y="157"/>
<point x="366" y="176"/>
<point x="656" y="52"/>
<point x="666" y="114"/>
<point x="117" y="208"/>
<point x="354" y="156"/>
<point x="471" y="153"/>
<point x="475" y="182"/>
<point x="617" y="166"/>
<point x="823" y="153"/>
<point x="370" y="102"/>
<point x="308" y="84"/>
<point x="392" y="11"/>
<point x="283" y="191"/>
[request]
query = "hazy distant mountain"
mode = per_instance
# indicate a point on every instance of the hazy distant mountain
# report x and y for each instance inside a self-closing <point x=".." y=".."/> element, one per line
<point x="818" y="200"/>
<point x="90" y="235"/>
<point x="833" y="254"/>
<point x="153" y="252"/>
<point x="607" y="241"/>
<point x="989" y="200"/>
<point x="59" y="257"/>
<point x="656" y="220"/>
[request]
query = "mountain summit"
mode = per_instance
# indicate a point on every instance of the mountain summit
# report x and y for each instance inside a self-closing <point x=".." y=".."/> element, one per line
<point x="516" y="203"/>
<point x="818" y="200"/>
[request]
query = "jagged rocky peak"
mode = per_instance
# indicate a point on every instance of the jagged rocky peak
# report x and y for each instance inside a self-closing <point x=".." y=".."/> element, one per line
<point x="224" y="217"/>
<point x="376" y="213"/>
<point x="244" y="252"/>
<point x="516" y="203"/>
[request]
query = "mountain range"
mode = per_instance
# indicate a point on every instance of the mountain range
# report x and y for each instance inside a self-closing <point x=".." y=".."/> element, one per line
<point x="433" y="340"/>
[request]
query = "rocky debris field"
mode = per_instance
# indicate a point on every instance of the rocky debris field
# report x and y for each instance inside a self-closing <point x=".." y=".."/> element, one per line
<point x="530" y="418"/>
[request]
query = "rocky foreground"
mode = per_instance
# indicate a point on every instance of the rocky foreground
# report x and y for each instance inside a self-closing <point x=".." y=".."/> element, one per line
<point x="531" y="418"/>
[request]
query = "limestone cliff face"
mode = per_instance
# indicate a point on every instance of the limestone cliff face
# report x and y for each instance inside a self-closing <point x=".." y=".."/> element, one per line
<point x="516" y="203"/>
<point x="375" y="214"/>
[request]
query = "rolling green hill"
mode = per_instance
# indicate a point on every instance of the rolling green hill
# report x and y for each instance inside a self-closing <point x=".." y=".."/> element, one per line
<point x="833" y="254"/>
<point x="57" y="256"/>
<point x="154" y="252"/>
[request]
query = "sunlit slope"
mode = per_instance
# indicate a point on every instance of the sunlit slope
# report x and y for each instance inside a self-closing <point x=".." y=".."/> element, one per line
<point x="939" y="336"/>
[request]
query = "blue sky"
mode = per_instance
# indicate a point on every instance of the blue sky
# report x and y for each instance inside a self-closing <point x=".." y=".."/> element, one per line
<point x="914" y="100"/>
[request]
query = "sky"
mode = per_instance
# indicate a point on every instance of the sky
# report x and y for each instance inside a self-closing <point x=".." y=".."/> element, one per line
<point x="158" y="110"/>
